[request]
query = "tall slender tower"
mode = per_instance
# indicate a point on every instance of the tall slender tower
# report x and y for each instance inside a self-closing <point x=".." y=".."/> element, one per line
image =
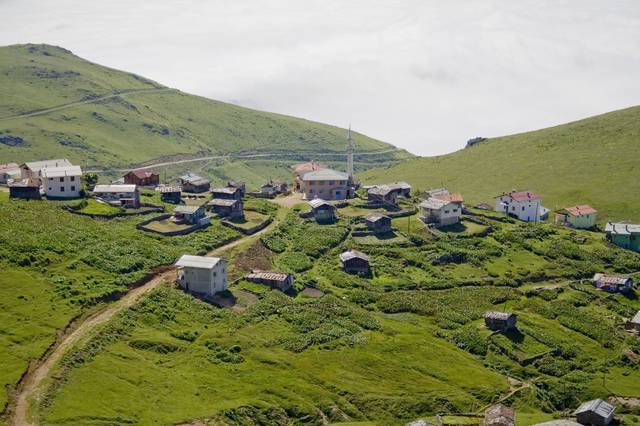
<point x="350" y="147"/>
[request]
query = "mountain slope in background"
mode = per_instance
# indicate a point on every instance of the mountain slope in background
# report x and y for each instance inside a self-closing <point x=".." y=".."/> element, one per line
<point x="592" y="161"/>
<point x="55" y="104"/>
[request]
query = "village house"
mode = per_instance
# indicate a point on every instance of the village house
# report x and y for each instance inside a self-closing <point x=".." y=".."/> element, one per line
<point x="118" y="195"/>
<point x="523" y="205"/>
<point x="323" y="212"/>
<point x="277" y="280"/>
<point x="500" y="321"/>
<point x="194" y="215"/>
<point x="613" y="283"/>
<point x="227" y="193"/>
<point x="9" y="172"/>
<point x="378" y="223"/>
<point x="268" y="190"/>
<point x="595" y="413"/>
<point x="436" y="191"/>
<point x="238" y="184"/>
<point x="382" y="195"/>
<point x="202" y="275"/>
<point x="499" y="415"/>
<point x="33" y="169"/>
<point x="326" y="184"/>
<point x="142" y="177"/>
<point x="170" y="194"/>
<point x="402" y="188"/>
<point x="194" y="183"/>
<point x="355" y="262"/>
<point x="300" y="169"/>
<point x="442" y="212"/>
<point x="625" y="235"/>
<point x="281" y="186"/>
<point x="28" y="189"/>
<point x="579" y="217"/>
<point x="227" y="208"/>
<point x="636" y="322"/>
<point x="61" y="182"/>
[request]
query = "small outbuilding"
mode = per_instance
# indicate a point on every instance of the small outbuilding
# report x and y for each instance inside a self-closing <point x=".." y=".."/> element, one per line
<point x="499" y="415"/>
<point x="355" y="262"/>
<point x="382" y="194"/>
<point x="227" y="208"/>
<point x="277" y="280"/>
<point x="194" y="183"/>
<point x="268" y="190"/>
<point x="613" y="283"/>
<point x="323" y="211"/>
<point x="378" y="222"/>
<point x="242" y="186"/>
<point x="281" y="186"/>
<point x="27" y="189"/>
<point x="202" y="275"/>
<point x="170" y="194"/>
<point x="194" y="215"/>
<point x="625" y="235"/>
<point x="500" y="321"/>
<point x="9" y="172"/>
<point x="595" y="413"/>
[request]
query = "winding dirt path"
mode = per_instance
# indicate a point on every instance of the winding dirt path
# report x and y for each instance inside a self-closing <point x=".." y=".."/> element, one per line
<point x="122" y="93"/>
<point x="30" y="386"/>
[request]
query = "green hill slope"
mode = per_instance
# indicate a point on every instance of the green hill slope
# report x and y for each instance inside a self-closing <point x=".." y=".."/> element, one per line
<point x="55" y="104"/>
<point x="594" y="161"/>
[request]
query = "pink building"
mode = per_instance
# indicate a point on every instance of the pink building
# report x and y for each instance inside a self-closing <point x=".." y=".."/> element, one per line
<point x="326" y="184"/>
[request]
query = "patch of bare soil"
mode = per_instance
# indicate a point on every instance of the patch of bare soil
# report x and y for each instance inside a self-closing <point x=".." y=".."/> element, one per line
<point x="257" y="256"/>
<point x="312" y="292"/>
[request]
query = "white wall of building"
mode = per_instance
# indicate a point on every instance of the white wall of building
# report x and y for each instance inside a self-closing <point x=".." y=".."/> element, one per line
<point x="528" y="211"/>
<point x="62" y="187"/>
<point x="205" y="281"/>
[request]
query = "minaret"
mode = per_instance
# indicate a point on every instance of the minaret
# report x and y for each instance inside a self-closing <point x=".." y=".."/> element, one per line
<point x="350" y="148"/>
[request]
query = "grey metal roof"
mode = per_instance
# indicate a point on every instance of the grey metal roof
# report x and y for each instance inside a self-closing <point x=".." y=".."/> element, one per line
<point x="226" y="190"/>
<point x="374" y="217"/>
<point x="61" y="171"/>
<point x="434" y="204"/>
<point x="352" y="254"/>
<point x="325" y="174"/>
<point x="596" y="406"/>
<point x="186" y="209"/>
<point x="622" y="228"/>
<point x="36" y="166"/>
<point x="194" y="179"/>
<point x="101" y="189"/>
<point x="222" y="202"/>
<point x="201" y="262"/>
<point x="610" y="279"/>
<point x="380" y="190"/>
<point x="318" y="202"/>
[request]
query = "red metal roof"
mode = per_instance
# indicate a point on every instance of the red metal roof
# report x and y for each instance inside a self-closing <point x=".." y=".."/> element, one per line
<point x="452" y="198"/>
<point x="142" y="173"/>
<point x="524" y="196"/>
<point x="581" y="210"/>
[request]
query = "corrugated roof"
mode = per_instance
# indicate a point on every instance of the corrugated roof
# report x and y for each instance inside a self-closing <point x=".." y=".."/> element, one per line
<point x="610" y="279"/>
<point x="325" y="174"/>
<point x="201" y="262"/>
<point x="230" y="190"/>
<point x="268" y="275"/>
<point x="453" y="198"/>
<point x="521" y="195"/>
<point x="380" y="190"/>
<point x="495" y="315"/>
<point x="169" y="189"/>
<point x="580" y="210"/>
<point x="222" y="202"/>
<point x="352" y="254"/>
<point x="114" y="188"/>
<point x="597" y="406"/>
<point x="622" y="228"/>
<point x="318" y="202"/>
<point x="434" y="204"/>
<point x="142" y="173"/>
<point x="52" y="172"/>
<point x="36" y="166"/>
<point x="186" y="209"/>
<point x="374" y="217"/>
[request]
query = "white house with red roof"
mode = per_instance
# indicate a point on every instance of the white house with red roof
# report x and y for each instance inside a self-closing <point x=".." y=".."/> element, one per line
<point x="524" y="205"/>
<point x="581" y="217"/>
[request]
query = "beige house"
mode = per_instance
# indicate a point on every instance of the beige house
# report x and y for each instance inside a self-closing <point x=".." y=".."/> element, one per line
<point x="326" y="184"/>
<point x="202" y="275"/>
<point x="442" y="211"/>
<point x="581" y="217"/>
<point x="33" y="169"/>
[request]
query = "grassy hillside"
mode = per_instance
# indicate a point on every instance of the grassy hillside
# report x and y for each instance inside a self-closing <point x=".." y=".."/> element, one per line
<point x="593" y="161"/>
<point x="147" y="122"/>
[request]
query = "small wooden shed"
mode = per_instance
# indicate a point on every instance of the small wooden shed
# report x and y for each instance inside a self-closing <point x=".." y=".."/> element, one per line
<point x="278" y="280"/>
<point x="500" y="321"/>
<point x="355" y="262"/>
<point x="595" y="413"/>
<point x="378" y="222"/>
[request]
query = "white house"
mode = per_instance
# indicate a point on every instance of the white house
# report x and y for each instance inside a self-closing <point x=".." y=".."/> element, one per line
<point x="202" y="275"/>
<point x="524" y="205"/>
<point x="120" y="195"/>
<point x="61" y="181"/>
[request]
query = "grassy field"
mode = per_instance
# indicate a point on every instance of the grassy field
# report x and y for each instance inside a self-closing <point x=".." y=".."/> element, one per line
<point x="153" y="125"/>
<point x="406" y="343"/>
<point x="91" y="206"/>
<point x="56" y="265"/>
<point x="592" y="161"/>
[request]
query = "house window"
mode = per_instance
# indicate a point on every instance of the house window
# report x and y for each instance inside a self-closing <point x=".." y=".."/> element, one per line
<point x="73" y="188"/>
<point x="446" y="211"/>
<point x="61" y="179"/>
<point x="513" y="208"/>
<point x="62" y="189"/>
<point x="49" y="188"/>
<point x="338" y="193"/>
<point x="50" y="179"/>
<point x="73" y="178"/>
<point x="523" y="208"/>
<point x="455" y="210"/>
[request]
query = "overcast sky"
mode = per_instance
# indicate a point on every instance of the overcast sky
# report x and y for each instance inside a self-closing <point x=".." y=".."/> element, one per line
<point x="425" y="75"/>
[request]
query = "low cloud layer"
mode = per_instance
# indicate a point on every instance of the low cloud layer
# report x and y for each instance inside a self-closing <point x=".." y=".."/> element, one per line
<point x="425" y="75"/>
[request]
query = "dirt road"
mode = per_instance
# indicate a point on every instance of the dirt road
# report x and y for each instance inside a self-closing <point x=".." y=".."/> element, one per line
<point x="30" y="386"/>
